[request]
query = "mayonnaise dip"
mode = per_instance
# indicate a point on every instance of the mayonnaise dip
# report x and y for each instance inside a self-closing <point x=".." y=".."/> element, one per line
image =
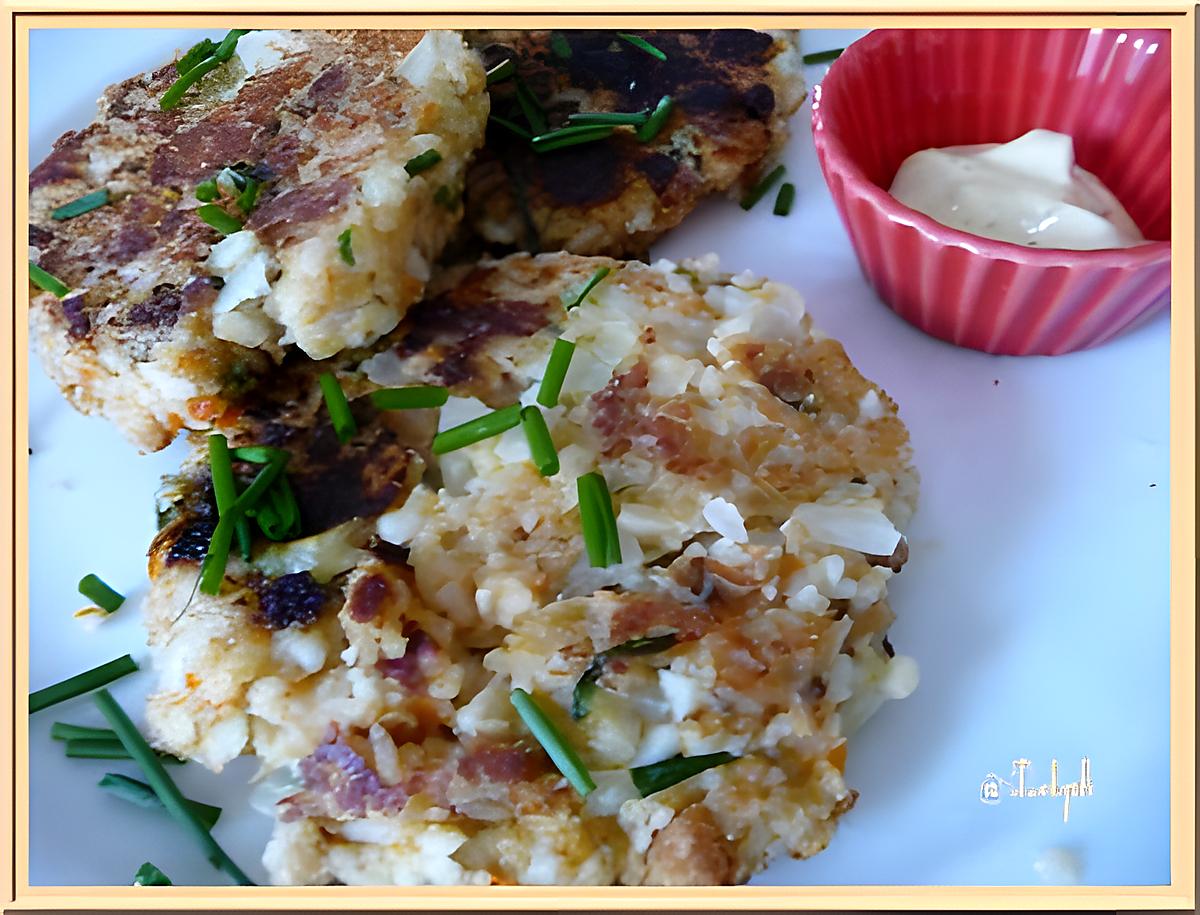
<point x="1028" y="191"/>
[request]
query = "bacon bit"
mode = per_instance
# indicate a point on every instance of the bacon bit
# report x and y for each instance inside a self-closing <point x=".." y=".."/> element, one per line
<point x="367" y="597"/>
<point x="410" y="670"/>
<point x="612" y="402"/>
<point x="643" y="615"/>
<point x="206" y="409"/>
<point x="192" y="681"/>
<point x="504" y="764"/>
<point x="896" y="561"/>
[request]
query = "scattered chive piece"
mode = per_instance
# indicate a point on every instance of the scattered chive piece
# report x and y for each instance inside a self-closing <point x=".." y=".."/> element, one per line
<point x="149" y="875"/>
<point x="560" y="46"/>
<point x="608" y="118"/>
<point x="587" y="287"/>
<point x="501" y="71"/>
<point x="104" y="748"/>
<point x="446" y="196"/>
<point x="581" y="698"/>
<point x="476" y="430"/>
<point x="344" y="248"/>
<point x="81" y="683"/>
<point x="212" y="569"/>
<point x="278" y="515"/>
<point x="228" y="44"/>
<point x="160" y="782"/>
<point x="570" y="136"/>
<point x="565" y="759"/>
<point x="531" y="108"/>
<point x="84" y="204"/>
<point x="759" y="190"/>
<point x="612" y="543"/>
<point x="655" y="122"/>
<point x="100" y="594"/>
<point x="247" y="199"/>
<point x="219" y="219"/>
<point x="509" y="125"/>
<point x="44" y="280"/>
<point x="339" y="408"/>
<point x="195" y="67"/>
<point x="130" y="789"/>
<point x="198" y="52"/>
<point x="661" y="775"/>
<point x="541" y="446"/>
<point x="598" y="521"/>
<point x="556" y="372"/>
<point x="61" y="731"/>
<point x="225" y="489"/>
<point x="174" y="94"/>
<point x="642" y="45"/>
<point x="424" y="161"/>
<point x="784" y="199"/>
<point x="415" y="397"/>
<point x="259" y="454"/>
<point x="821" y="57"/>
<point x="206" y="191"/>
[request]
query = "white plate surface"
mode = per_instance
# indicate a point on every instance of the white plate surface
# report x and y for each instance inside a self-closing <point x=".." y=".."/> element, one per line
<point x="1036" y="599"/>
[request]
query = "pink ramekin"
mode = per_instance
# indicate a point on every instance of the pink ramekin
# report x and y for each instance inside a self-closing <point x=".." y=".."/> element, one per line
<point x="897" y="91"/>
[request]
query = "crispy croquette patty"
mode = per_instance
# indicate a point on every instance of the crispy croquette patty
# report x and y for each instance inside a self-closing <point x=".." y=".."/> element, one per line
<point x="168" y="321"/>
<point x="732" y="91"/>
<point x="759" y="485"/>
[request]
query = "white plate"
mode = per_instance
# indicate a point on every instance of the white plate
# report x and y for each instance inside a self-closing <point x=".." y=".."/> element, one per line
<point x="1035" y="600"/>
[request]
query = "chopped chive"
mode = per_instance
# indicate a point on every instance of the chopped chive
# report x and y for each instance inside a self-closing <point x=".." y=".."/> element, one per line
<point x="446" y="196"/>
<point x="414" y="397"/>
<point x="531" y="108"/>
<point x="248" y="198"/>
<point x="198" y="52"/>
<point x="556" y="372"/>
<point x="212" y="569"/>
<point x="207" y="191"/>
<point x="344" y="248"/>
<point x="61" y="731"/>
<point x="756" y="193"/>
<point x="608" y="118"/>
<point x="259" y="454"/>
<point x="541" y="445"/>
<point x="587" y="287"/>
<point x="581" y="697"/>
<point x="196" y="66"/>
<point x="81" y="683"/>
<point x="219" y="219"/>
<point x="130" y="789"/>
<point x="84" y="204"/>
<point x="655" y="122"/>
<point x="423" y="162"/>
<point x="278" y="515"/>
<point x="662" y="775"/>
<point x="821" y="57"/>
<point x="564" y="757"/>
<point x="570" y="136"/>
<point x="784" y="199"/>
<point x="612" y="543"/>
<point x="339" y="408"/>
<point x="476" y="430"/>
<point x="225" y="488"/>
<point x="509" y="125"/>
<point x="642" y="45"/>
<point x="174" y="94"/>
<point x="501" y="71"/>
<point x="100" y="594"/>
<point x="228" y="44"/>
<point x="167" y="791"/>
<point x="598" y="521"/>
<point x="104" y="748"/>
<point x="149" y="875"/>
<point x="44" y="280"/>
<point x="560" y="46"/>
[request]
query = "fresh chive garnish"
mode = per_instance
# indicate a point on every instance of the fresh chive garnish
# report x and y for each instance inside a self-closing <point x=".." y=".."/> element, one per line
<point x="541" y="445"/>
<point x="278" y="515"/>
<point x="61" y="731"/>
<point x="511" y="126"/>
<point x="446" y="196"/>
<point x="207" y="191"/>
<point x="560" y="46"/>
<point x="598" y="521"/>
<point x="259" y="454"/>
<point x="535" y="116"/>
<point x="104" y="748"/>
<point x="662" y="775"/>
<point x="414" y="397"/>
<point x="556" y="372"/>
<point x="423" y="162"/>
<point x="501" y="71"/>
<point x="587" y="287"/>
<point x="476" y="430"/>
<point x="149" y="875"/>
<point x="608" y="118"/>
<point x="581" y="698"/>
<point x="225" y="488"/>
<point x="84" y="204"/>
<point x="642" y="45"/>
<point x="81" y="683"/>
<point x="248" y="198"/>
<point x="219" y="219"/>
<point x="46" y="281"/>
<point x="564" y="757"/>
<point x="198" y="52"/>
<point x="756" y="193"/>
<point x="100" y="594"/>
<point x="655" y="122"/>
<point x="339" y="408"/>
<point x="196" y="67"/>
<point x="212" y="569"/>
<point x="167" y="791"/>
<point x="130" y="789"/>
<point x="822" y="57"/>
<point x="570" y="136"/>
<point x="344" y="247"/>
<point x="784" y="199"/>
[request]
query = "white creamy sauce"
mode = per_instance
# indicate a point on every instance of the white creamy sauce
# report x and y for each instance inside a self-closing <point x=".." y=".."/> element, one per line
<point x="1028" y="192"/>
